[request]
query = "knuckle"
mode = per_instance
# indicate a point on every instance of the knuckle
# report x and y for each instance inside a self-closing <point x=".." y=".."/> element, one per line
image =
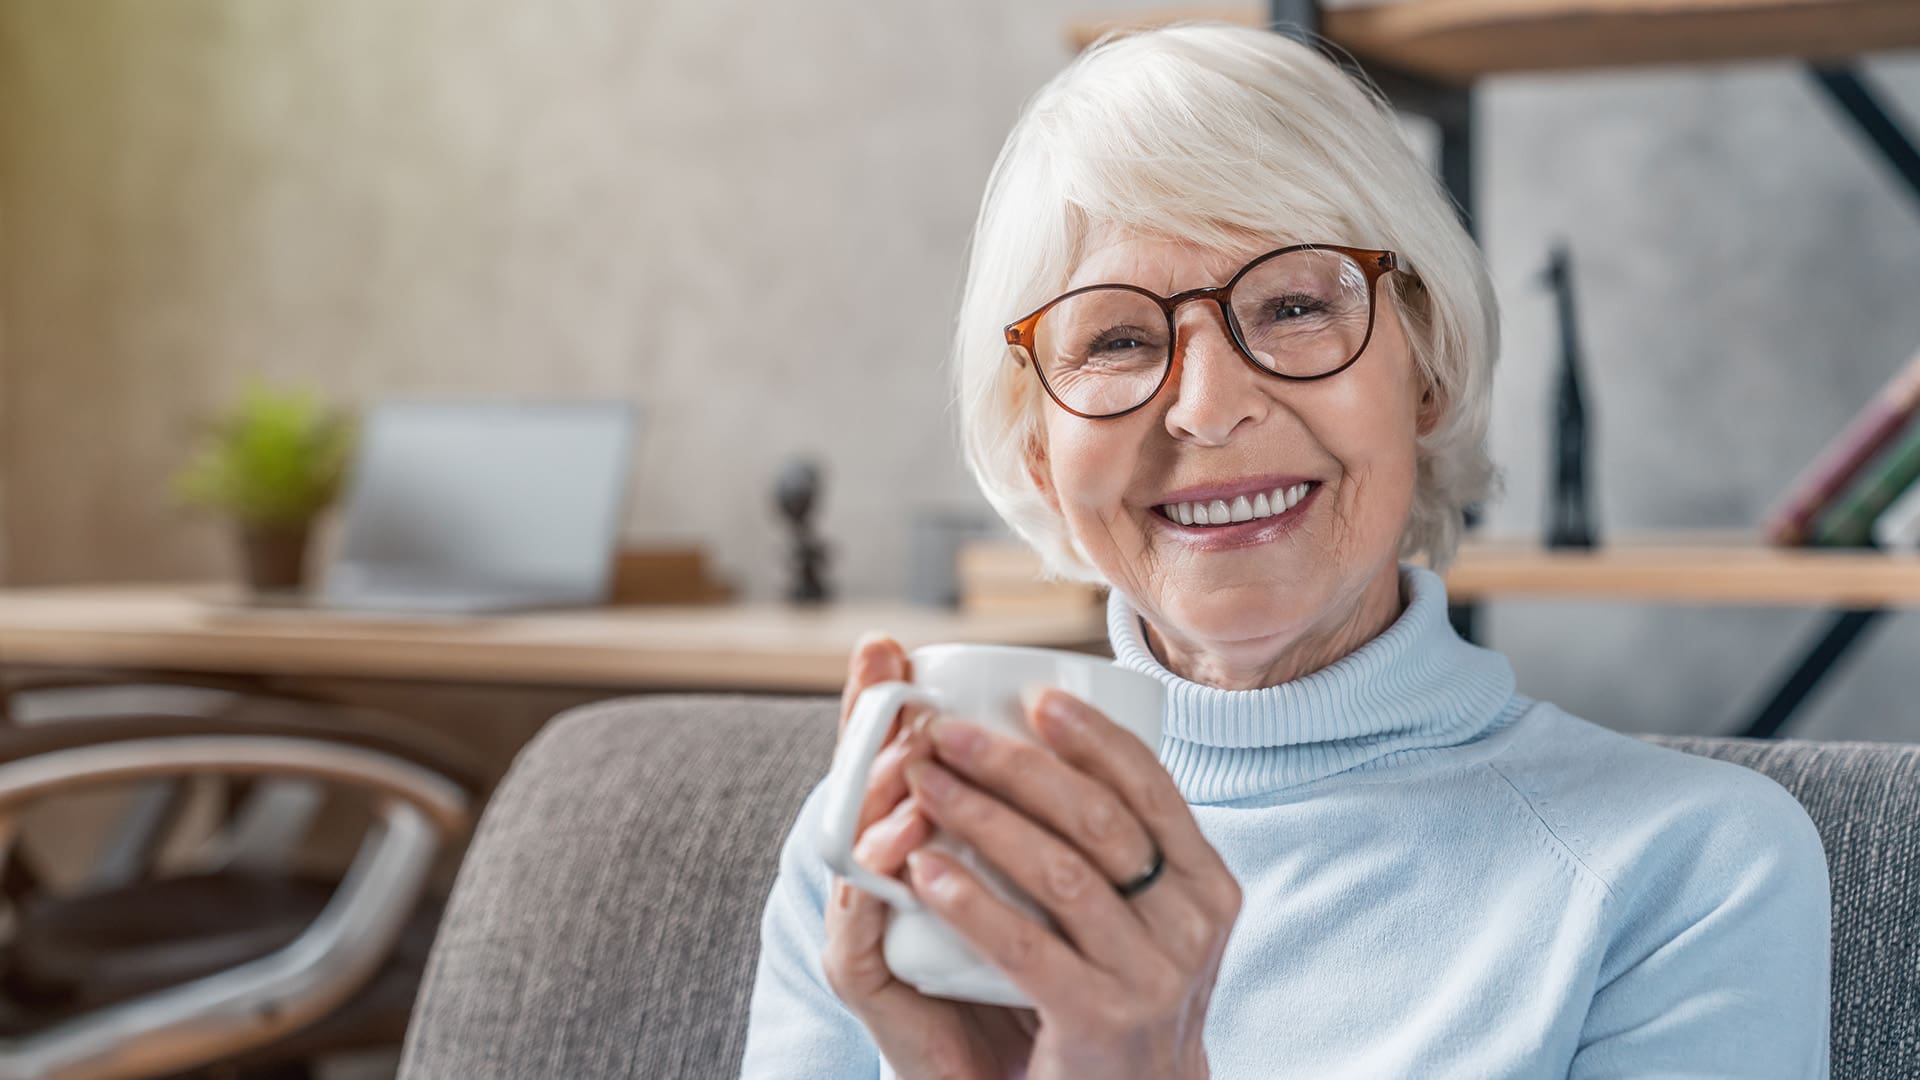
<point x="1013" y="756"/>
<point x="1162" y="989"/>
<point x="1021" y="951"/>
<point x="1225" y="897"/>
<point x="1101" y="820"/>
<point x="1068" y="876"/>
<point x="851" y="973"/>
<point x="1193" y="932"/>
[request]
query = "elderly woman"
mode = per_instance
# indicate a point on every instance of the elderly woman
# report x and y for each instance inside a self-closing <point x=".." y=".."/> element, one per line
<point x="1225" y="348"/>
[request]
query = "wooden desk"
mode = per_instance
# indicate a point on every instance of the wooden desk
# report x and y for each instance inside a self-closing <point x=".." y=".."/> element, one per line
<point x="759" y="647"/>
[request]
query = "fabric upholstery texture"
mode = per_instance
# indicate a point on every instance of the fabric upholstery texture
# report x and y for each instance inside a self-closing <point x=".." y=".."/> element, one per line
<point x="1864" y="797"/>
<point x="605" y="922"/>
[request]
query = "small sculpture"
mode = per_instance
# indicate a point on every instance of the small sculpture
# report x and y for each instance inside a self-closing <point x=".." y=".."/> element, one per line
<point x="1570" y="519"/>
<point x="796" y="493"/>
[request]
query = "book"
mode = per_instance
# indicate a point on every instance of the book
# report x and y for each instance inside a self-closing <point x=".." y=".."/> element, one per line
<point x="1790" y="521"/>
<point x="1898" y="526"/>
<point x="1848" y="519"/>
<point x="1003" y="577"/>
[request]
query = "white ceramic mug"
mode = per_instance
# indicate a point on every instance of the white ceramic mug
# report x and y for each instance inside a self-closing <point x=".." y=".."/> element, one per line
<point x="980" y="684"/>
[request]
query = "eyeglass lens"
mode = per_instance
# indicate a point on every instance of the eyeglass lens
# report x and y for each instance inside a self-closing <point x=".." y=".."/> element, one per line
<point x="1302" y="314"/>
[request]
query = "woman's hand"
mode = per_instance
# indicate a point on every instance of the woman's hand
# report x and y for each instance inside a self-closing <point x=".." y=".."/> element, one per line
<point x="921" y="1036"/>
<point x="1122" y="987"/>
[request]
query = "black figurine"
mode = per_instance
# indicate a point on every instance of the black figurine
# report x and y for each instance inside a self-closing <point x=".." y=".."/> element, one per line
<point x="796" y="493"/>
<point x="1570" y="519"/>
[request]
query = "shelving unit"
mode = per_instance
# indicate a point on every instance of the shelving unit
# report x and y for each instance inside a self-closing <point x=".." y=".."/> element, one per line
<point x="1705" y="567"/>
<point x="1458" y="41"/>
<point x="1426" y="56"/>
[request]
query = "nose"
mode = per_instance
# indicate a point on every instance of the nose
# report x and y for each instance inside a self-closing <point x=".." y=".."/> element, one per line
<point x="1214" y="388"/>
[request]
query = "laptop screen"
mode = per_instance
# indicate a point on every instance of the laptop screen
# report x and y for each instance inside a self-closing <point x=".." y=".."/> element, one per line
<point x="481" y="495"/>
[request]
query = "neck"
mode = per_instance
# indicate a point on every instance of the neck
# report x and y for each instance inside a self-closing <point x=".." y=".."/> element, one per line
<point x="1414" y="692"/>
<point x="1380" y="605"/>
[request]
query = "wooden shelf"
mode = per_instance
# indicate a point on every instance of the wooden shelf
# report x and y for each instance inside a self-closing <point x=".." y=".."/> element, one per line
<point x="1457" y="41"/>
<point x="733" y="647"/>
<point x="1705" y="567"/>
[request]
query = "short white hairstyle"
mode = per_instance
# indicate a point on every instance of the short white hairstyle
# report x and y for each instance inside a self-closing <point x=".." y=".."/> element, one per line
<point x="1217" y="134"/>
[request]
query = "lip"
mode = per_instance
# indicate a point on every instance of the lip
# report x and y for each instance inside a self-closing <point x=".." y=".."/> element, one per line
<point x="1232" y="489"/>
<point x="1242" y="534"/>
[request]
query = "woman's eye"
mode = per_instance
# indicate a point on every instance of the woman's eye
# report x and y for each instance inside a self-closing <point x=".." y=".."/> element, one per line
<point x="1117" y="340"/>
<point x="1282" y="310"/>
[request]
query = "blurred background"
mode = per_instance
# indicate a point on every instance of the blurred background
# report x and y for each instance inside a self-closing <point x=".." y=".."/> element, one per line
<point x="749" y="222"/>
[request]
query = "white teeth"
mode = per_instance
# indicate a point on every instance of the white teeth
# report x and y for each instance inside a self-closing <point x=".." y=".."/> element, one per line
<point x="1219" y="512"/>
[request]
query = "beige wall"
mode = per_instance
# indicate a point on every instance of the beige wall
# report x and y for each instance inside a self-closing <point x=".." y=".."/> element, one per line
<point x="748" y="218"/>
<point x="751" y="218"/>
<point x="3" y="384"/>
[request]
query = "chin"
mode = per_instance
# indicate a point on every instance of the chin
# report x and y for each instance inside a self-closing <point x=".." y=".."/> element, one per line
<point x="1239" y="612"/>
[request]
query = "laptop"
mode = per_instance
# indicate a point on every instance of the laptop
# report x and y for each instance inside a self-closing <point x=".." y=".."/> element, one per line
<point x="481" y="506"/>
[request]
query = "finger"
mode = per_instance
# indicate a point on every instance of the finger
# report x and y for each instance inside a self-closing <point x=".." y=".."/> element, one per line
<point x="1088" y="815"/>
<point x="856" y="921"/>
<point x="884" y="846"/>
<point x="875" y="658"/>
<point x="887" y="782"/>
<point x="1102" y="926"/>
<point x="1035" y="959"/>
<point x="1045" y="787"/>
<point x="1088" y="740"/>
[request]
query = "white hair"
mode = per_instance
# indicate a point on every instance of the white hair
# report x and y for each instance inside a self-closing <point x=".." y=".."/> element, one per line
<point x="1214" y="134"/>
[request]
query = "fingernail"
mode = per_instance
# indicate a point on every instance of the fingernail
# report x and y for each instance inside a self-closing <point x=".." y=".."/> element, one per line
<point x="868" y="640"/>
<point x="1029" y="697"/>
<point x="1058" y="714"/>
<point x="925" y="867"/>
<point x="957" y="738"/>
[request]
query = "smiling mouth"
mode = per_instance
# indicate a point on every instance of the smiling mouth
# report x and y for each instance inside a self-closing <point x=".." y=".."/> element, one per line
<point x="1220" y="513"/>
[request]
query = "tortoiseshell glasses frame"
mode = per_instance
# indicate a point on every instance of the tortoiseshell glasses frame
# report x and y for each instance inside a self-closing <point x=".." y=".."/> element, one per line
<point x="1373" y="263"/>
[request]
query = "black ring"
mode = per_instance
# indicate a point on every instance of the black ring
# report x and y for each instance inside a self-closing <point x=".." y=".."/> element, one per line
<point x="1146" y="879"/>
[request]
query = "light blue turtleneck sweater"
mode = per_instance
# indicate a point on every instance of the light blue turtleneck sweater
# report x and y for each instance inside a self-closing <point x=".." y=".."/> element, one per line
<point x="1440" y="878"/>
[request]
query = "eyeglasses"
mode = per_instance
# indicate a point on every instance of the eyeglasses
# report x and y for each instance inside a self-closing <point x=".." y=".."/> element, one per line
<point x="1302" y="312"/>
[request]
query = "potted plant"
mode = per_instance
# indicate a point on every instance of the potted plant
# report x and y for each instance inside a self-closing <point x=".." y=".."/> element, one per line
<point x="272" y="464"/>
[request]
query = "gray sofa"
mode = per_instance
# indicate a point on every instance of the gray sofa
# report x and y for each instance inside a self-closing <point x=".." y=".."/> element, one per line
<point x="605" y="922"/>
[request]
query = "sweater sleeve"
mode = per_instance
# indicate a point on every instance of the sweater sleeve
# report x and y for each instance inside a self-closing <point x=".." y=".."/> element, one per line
<point x="1722" y="966"/>
<point x="796" y="1026"/>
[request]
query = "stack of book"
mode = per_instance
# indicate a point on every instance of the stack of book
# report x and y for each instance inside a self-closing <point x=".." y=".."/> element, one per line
<point x="1861" y="491"/>
<point x="666" y="574"/>
<point x="1002" y="577"/>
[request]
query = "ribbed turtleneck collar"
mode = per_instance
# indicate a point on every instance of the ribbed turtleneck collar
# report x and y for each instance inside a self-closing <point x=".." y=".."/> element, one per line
<point x="1414" y="690"/>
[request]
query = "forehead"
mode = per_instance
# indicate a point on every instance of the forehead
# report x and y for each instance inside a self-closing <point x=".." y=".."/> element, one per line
<point x="1163" y="264"/>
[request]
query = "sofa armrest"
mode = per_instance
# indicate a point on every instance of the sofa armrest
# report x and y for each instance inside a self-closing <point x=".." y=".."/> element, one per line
<point x="605" y="922"/>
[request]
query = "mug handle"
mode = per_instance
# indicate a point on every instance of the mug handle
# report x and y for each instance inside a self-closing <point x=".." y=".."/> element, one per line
<point x="873" y="713"/>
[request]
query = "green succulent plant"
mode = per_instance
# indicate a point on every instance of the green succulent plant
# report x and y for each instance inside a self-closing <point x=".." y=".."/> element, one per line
<point x="277" y="458"/>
